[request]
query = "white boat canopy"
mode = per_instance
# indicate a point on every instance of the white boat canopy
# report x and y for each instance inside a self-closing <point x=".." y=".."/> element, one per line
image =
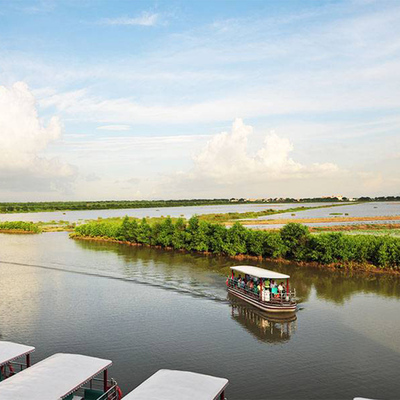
<point x="167" y="384"/>
<point x="53" y="378"/>
<point x="259" y="272"/>
<point x="10" y="351"/>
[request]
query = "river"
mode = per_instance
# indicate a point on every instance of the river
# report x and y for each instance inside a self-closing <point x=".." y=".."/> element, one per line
<point x="147" y="309"/>
<point x="184" y="211"/>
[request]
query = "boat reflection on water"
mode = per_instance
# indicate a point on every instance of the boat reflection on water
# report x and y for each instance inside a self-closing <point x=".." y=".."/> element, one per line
<point x="265" y="327"/>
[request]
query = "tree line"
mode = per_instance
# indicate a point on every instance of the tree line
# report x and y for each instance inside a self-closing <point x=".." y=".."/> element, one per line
<point x="292" y="242"/>
<point x="104" y="205"/>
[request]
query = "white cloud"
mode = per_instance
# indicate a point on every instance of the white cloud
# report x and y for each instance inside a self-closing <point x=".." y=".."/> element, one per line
<point x="145" y="19"/>
<point x="23" y="137"/>
<point x="114" y="128"/>
<point x="226" y="159"/>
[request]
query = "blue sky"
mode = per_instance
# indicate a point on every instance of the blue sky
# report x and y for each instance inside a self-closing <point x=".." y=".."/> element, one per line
<point x="171" y="99"/>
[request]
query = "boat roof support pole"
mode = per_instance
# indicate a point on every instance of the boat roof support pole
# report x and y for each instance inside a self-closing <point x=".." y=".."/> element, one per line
<point x="105" y="379"/>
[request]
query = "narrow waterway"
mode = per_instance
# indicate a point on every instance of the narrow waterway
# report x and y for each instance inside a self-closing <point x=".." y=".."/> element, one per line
<point x="147" y="309"/>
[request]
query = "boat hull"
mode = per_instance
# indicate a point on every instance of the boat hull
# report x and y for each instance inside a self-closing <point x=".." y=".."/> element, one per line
<point x="269" y="307"/>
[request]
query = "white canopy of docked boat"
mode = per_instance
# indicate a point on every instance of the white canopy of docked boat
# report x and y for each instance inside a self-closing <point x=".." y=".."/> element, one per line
<point x="10" y="351"/>
<point x="259" y="272"/>
<point x="53" y="378"/>
<point x="179" y="385"/>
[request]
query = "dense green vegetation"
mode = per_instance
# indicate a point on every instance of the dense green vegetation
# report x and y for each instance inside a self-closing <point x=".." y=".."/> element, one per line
<point x="19" y="226"/>
<point x="293" y="241"/>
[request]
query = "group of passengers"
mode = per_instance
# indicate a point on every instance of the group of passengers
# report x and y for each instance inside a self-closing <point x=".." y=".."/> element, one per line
<point x="271" y="289"/>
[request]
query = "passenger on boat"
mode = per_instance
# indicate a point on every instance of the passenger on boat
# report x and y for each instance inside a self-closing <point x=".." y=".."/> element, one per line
<point x="266" y="295"/>
<point x="274" y="289"/>
<point x="235" y="280"/>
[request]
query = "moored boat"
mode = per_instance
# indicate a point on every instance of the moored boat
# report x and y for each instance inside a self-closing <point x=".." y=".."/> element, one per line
<point x="168" y="384"/>
<point x="62" y="376"/>
<point x="258" y="287"/>
<point x="12" y="357"/>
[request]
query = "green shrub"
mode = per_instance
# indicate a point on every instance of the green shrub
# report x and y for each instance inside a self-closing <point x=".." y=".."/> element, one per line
<point x="296" y="238"/>
<point x="20" y="226"/>
<point x="293" y="241"/>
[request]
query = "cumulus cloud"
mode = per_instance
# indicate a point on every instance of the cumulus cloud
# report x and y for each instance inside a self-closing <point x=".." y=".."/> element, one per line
<point x="226" y="159"/>
<point x="23" y="138"/>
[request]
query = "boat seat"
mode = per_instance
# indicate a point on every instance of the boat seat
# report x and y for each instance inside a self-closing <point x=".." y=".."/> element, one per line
<point x="92" y="394"/>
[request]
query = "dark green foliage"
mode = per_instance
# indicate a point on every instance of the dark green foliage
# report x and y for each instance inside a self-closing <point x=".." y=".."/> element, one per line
<point x="179" y="235"/>
<point x="274" y="245"/>
<point x="255" y="242"/>
<point x="217" y="238"/>
<point x="293" y="241"/>
<point x="236" y="238"/>
<point x="296" y="238"/>
<point x="144" y="232"/>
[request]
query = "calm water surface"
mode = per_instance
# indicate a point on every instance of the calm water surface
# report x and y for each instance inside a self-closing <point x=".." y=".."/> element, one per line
<point x="378" y="209"/>
<point x="148" y="309"/>
<point x="187" y="212"/>
<point x="353" y="210"/>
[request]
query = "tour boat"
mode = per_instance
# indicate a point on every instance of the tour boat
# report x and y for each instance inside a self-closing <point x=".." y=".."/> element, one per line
<point x="168" y="384"/>
<point x="10" y="353"/>
<point x="264" y="299"/>
<point x="62" y="376"/>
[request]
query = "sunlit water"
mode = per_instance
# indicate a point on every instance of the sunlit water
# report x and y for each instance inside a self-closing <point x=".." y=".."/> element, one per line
<point x="147" y="309"/>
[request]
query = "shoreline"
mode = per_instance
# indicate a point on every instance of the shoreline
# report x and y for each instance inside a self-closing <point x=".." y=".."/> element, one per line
<point x="345" y="267"/>
<point x="18" y="232"/>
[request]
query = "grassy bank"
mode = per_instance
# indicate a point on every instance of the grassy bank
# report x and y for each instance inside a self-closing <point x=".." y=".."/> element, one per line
<point x="19" y="227"/>
<point x="229" y="217"/>
<point x="320" y="220"/>
<point x="293" y="242"/>
<point x="373" y="229"/>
